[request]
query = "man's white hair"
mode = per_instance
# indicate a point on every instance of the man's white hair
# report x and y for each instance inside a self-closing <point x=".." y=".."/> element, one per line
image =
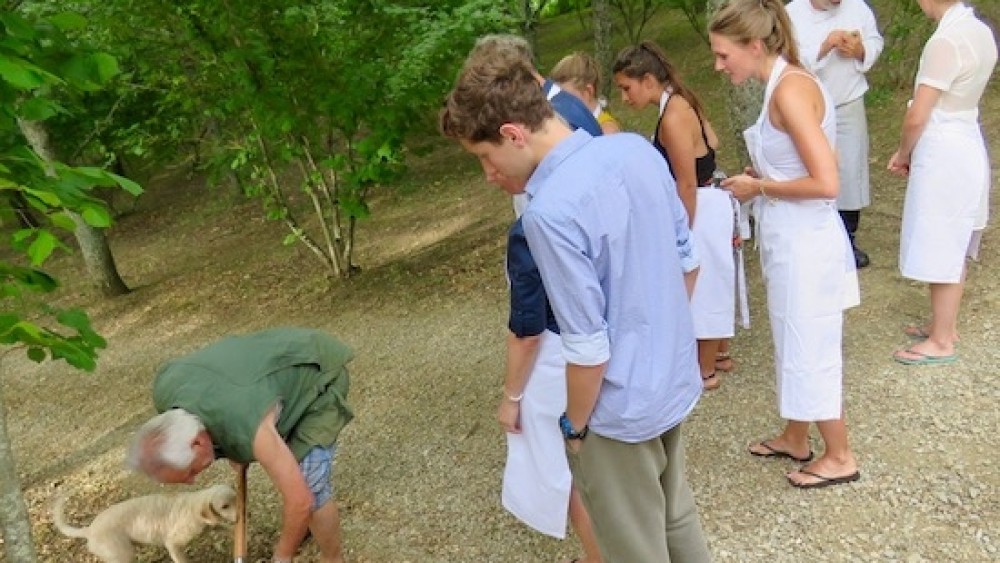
<point x="165" y="440"/>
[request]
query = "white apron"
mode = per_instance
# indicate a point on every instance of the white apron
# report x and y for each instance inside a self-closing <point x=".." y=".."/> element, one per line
<point x="810" y="277"/>
<point x="713" y="302"/>
<point x="852" y="156"/>
<point x="946" y="198"/>
<point x="536" y="479"/>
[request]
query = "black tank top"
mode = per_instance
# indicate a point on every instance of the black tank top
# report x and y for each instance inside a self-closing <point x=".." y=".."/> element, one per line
<point x="704" y="165"/>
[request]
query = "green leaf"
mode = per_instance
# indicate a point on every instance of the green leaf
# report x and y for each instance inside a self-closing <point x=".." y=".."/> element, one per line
<point x="290" y="239"/>
<point x="37" y="354"/>
<point x="42" y="247"/>
<point x="39" y="109"/>
<point x="20" y="74"/>
<point x="67" y="21"/>
<point x="107" y="67"/>
<point x="128" y="185"/>
<point x="22" y="234"/>
<point x="17" y="26"/>
<point x="7" y="321"/>
<point x="62" y="220"/>
<point x="74" y="318"/>
<point x="45" y="196"/>
<point x="96" y="216"/>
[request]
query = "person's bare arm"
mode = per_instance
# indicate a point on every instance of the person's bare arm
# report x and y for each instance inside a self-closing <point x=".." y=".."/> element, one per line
<point x="273" y="454"/>
<point x="914" y="123"/>
<point x="583" y="385"/>
<point x="676" y="132"/>
<point x="796" y="108"/>
<point x="521" y="355"/>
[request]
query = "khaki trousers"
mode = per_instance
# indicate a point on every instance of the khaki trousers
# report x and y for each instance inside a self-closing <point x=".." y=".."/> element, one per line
<point x="639" y="499"/>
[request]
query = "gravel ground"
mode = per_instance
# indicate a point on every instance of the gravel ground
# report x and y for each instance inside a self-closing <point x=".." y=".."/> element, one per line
<point x="418" y="472"/>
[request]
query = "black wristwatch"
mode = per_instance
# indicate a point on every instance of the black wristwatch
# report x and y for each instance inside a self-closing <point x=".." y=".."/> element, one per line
<point x="569" y="432"/>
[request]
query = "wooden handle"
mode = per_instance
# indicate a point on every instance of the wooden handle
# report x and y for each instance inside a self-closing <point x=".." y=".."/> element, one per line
<point x="240" y="531"/>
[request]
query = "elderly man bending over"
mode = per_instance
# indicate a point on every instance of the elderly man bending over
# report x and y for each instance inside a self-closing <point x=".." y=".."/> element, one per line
<point x="277" y="397"/>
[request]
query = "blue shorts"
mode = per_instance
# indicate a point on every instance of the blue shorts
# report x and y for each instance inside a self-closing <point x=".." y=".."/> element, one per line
<point x="317" y="467"/>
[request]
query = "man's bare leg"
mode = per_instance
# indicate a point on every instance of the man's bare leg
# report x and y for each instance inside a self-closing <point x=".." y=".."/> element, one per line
<point x="325" y="527"/>
<point x="580" y="519"/>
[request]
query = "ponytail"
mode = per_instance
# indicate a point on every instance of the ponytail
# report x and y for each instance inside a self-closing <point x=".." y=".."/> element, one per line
<point x="649" y="58"/>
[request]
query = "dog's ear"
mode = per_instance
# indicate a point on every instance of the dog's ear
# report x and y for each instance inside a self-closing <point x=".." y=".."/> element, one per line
<point x="208" y="515"/>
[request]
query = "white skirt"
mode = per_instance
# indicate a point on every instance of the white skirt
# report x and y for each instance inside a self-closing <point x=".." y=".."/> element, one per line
<point x="946" y="198"/>
<point x="810" y="281"/>
<point x="713" y="302"/>
<point x="536" y="479"/>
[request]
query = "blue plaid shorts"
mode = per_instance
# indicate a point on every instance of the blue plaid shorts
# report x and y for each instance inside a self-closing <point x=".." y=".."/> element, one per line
<point x="317" y="467"/>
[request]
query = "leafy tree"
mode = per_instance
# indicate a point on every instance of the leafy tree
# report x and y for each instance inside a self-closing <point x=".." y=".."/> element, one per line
<point x="694" y="12"/>
<point x="905" y="29"/>
<point x="634" y="15"/>
<point x="35" y="66"/>
<point x="527" y="14"/>
<point x="305" y="104"/>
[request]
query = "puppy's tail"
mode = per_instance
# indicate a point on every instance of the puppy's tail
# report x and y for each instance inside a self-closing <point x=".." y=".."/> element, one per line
<point x="60" y="520"/>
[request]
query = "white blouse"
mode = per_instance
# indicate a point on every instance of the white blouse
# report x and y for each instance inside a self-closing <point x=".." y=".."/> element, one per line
<point x="958" y="59"/>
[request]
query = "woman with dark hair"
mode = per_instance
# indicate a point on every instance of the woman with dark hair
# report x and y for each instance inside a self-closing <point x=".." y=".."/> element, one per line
<point x="806" y="258"/>
<point x="687" y="142"/>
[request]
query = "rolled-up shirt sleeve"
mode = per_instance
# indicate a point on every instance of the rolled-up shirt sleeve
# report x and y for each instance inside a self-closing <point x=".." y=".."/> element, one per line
<point x="565" y="259"/>
<point x="684" y="238"/>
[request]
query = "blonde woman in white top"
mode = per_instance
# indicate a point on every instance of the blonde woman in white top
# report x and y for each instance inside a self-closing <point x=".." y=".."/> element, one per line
<point x="942" y="151"/>
<point x="806" y="258"/>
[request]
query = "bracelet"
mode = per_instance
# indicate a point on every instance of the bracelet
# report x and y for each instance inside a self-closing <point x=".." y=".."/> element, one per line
<point x="760" y="186"/>
<point x="513" y="398"/>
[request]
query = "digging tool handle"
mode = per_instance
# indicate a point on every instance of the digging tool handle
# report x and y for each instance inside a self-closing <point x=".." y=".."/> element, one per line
<point x="240" y="531"/>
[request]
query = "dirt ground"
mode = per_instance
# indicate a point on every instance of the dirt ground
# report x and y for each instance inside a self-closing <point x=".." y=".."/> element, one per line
<point x="418" y="472"/>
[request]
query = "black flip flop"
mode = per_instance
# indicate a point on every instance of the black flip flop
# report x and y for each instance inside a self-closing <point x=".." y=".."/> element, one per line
<point x="823" y="480"/>
<point x="772" y="452"/>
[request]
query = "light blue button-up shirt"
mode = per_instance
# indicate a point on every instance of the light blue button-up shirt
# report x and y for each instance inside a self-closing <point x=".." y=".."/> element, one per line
<point x="603" y="224"/>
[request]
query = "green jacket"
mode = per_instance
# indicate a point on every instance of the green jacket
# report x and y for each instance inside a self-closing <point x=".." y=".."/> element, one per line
<point x="230" y="385"/>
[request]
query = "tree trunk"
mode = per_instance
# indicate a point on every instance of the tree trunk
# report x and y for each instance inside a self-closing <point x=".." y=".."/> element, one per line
<point x="601" y="12"/>
<point x="14" y="522"/>
<point x="93" y="244"/>
<point x="97" y="257"/>
<point x="744" y="107"/>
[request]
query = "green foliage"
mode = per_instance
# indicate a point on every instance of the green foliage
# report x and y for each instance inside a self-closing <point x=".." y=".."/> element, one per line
<point x="306" y="105"/>
<point x="905" y="29"/>
<point x="633" y="15"/>
<point x="40" y="68"/>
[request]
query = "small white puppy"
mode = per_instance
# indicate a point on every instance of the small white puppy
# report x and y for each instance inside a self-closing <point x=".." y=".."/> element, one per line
<point x="170" y="520"/>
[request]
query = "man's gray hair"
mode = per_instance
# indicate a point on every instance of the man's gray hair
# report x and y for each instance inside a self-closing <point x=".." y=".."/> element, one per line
<point x="506" y="47"/>
<point x="164" y="440"/>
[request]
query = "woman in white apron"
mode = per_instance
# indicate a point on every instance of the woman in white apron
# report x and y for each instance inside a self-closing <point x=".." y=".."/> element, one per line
<point x="942" y="151"/>
<point x="807" y="263"/>
<point x="687" y="142"/>
<point x="537" y="484"/>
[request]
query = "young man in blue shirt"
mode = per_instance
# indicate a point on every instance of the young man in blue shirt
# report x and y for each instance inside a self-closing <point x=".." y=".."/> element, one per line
<point x="600" y="223"/>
